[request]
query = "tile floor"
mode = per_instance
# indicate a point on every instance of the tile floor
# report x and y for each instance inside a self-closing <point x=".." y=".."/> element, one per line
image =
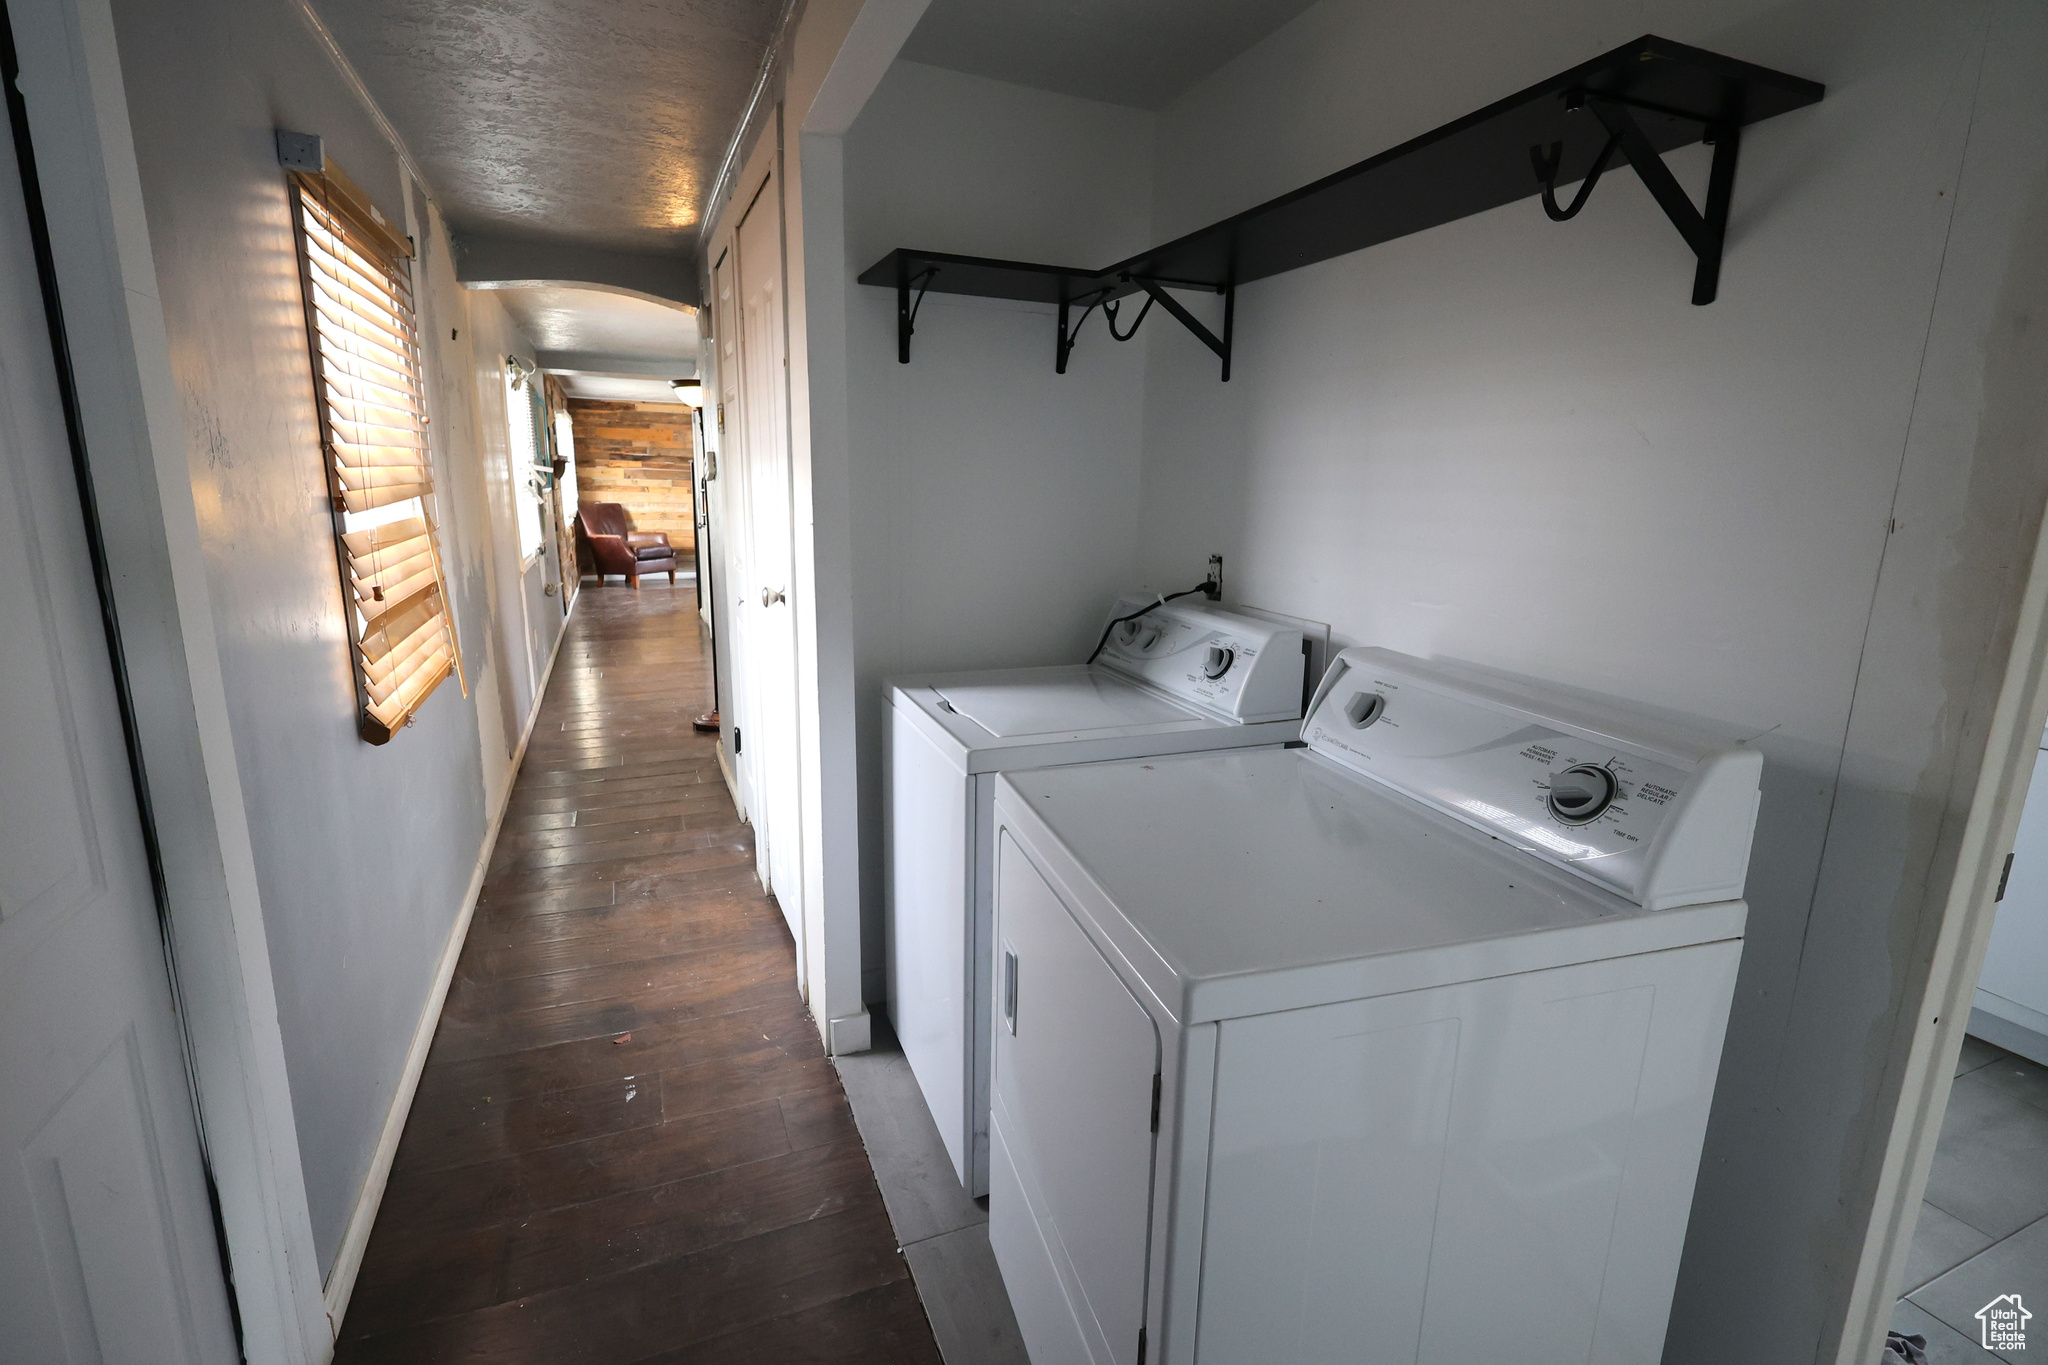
<point x="628" y="1147"/>
<point x="943" y="1232"/>
<point x="1983" y="1230"/>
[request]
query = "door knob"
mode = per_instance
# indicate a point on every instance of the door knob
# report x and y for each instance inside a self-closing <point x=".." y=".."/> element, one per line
<point x="770" y="596"/>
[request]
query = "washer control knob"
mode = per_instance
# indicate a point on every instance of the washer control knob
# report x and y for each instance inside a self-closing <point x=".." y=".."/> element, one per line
<point x="1580" y="794"/>
<point x="1218" y="661"/>
<point x="1365" y="708"/>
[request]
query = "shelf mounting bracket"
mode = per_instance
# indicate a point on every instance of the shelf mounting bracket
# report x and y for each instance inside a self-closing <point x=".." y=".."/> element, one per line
<point x="1704" y="231"/>
<point x="1220" y="345"/>
<point x="906" y="311"/>
<point x="1068" y="334"/>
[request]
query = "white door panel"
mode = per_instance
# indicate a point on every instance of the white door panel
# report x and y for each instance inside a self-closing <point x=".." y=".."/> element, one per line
<point x="1075" y="1066"/>
<point x="768" y="637"/>
<point x="107" y="1250"/>
<point x="736" y="702"/>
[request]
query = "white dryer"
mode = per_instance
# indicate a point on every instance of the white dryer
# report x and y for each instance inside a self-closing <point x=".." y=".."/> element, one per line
<point x="1182" y="677"/>
<point x="1396" y="1047"/>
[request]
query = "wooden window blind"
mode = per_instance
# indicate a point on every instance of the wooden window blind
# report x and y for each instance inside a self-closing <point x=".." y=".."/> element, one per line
<point x="356" y="275"/>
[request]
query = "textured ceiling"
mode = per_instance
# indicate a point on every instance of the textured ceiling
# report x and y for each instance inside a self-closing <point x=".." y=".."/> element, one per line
<point x="561" y="317"/>
<point x="1137" y="52"/>
<point x="617" y="389"/>
<point x="595" y="122"/>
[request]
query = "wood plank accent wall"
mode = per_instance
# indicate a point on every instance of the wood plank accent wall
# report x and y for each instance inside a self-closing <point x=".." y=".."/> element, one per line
<point x="638" y="454"/>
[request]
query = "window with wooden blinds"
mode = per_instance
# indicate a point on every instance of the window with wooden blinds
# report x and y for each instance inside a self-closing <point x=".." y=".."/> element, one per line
<point x="373" y="433"/>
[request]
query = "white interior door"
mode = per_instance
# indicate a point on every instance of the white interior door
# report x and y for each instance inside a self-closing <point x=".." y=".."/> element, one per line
<point x="769" y="642"/>
<point x="107" y="1250"/>
<point x="736" y="700"/>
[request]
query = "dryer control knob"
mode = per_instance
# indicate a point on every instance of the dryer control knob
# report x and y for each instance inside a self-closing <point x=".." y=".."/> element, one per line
<point x="1365" y="708"/>
<point x="1218" y="661"/>
<point x="1579" y="795"/>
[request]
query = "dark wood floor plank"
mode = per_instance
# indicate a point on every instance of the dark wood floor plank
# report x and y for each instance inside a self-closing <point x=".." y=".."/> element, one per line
<point x="721" y="1082"/>
<point x="674" y="981"/>
<point x="669" y="1305"/>
<point x="569" y="1245"/>
<point x="446" y="1131"/>
<point x="627" y="1144"/>
<point x="615" y="934"/>
<point x="569" y="835"/>
<point x="881" y="1326"/>
<point x="530" y="1182"/>
<point x="619" y="844"/>
<point x="714" y="801"/>
<point x="513" y="1070"/>
<point x="543" y="900"/>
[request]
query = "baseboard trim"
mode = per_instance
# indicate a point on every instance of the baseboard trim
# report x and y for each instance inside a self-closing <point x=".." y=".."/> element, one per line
<point x="732" y="782"/>
<point x="348" y="1261"/>
<point x="850" y="1033"/>
<point x="2027" y="1034"/>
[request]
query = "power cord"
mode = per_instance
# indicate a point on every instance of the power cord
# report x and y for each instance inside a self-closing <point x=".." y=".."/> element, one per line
<point x="1207" y="585"/>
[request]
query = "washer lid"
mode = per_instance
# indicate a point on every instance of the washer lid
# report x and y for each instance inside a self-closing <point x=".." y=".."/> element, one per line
<point x="1060" y="701"/>
<point x="1249" y="880"/>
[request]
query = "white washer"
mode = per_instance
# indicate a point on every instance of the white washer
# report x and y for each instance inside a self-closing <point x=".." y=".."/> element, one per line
<point x="1181" y="678"/>
<point x="1395" y="1047"/>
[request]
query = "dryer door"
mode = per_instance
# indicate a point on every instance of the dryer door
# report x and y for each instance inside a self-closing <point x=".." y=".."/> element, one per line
<point x="1070" y="1195"/>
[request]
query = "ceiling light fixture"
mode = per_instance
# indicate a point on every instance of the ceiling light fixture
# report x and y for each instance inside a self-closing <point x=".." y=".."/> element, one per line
<point x="688" y="391"/>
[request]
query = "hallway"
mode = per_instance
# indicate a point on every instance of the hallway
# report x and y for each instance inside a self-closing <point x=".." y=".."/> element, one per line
<point x="628" y="1145"/>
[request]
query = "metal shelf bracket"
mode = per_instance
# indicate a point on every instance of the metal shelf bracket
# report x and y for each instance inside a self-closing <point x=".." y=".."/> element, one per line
<point x="1703" y="231"/>
<point x="1154" y="293"/>
<point x="1219" y="344"/>
<point x="906" y="311"/>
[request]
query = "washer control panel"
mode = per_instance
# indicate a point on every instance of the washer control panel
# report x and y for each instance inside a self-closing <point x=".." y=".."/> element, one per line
<point x="1221" y="662"/>
<point x="1659" y="813"/>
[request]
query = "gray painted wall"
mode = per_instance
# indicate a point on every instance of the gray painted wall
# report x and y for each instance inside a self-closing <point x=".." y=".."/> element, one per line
<point x="358" y="897"/>
<point x="994" y="503"/>
<point x="1804" y="509"/>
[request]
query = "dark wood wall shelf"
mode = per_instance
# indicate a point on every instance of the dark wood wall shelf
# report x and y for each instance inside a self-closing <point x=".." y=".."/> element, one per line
<point x="1633" y="104"/>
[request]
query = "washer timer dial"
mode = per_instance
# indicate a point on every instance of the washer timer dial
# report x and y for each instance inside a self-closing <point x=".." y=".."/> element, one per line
<point x="1580" y="795"/>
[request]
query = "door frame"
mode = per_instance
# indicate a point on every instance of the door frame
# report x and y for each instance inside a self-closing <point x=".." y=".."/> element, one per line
<point x="1931" y="1028"/>
<point x="133" y="431"/>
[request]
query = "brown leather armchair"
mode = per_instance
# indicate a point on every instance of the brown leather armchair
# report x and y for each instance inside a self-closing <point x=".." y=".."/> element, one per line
<point x="617" y="548"/>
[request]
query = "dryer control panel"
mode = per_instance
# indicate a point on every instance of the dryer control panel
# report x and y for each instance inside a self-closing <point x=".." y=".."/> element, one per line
<point x="1660" y="813"/>
<point x="1226" y="664"/>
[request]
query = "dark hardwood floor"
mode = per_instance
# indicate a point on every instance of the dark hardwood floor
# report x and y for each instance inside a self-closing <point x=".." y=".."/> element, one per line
<point x="628" y="1145"/>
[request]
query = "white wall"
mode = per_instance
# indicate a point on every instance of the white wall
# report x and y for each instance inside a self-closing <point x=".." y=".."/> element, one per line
<point x="522" y="624"/>
<point x="994" y="503"/>
<point x="359" y="893"/>
<point x="1802" y="509"/>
